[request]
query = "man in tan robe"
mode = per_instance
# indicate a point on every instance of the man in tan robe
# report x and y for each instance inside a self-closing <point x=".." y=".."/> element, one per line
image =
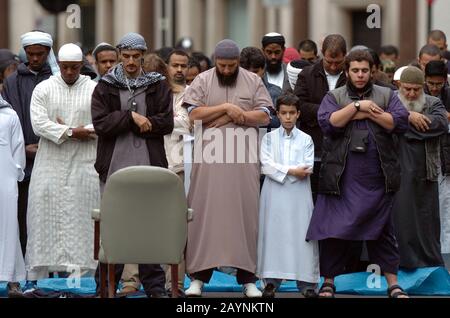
<point x="227" y="104"/>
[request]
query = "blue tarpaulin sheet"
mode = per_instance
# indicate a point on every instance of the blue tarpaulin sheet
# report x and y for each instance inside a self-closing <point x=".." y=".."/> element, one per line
<point x="433" y="281"/>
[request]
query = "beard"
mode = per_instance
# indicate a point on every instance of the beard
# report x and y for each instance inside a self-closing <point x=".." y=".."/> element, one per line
<point x="229" y="80"/>
<point x="274" y="68"/>
<point x="179" y="81"/>
<point x="416" y="106"/>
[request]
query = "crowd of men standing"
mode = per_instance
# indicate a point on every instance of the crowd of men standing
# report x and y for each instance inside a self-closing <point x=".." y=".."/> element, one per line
<point x="356" y="158"/>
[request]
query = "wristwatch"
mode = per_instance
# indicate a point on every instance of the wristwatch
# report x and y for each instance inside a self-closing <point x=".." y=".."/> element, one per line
<point x="70" y="133"/>
<point x="357" y="106"/>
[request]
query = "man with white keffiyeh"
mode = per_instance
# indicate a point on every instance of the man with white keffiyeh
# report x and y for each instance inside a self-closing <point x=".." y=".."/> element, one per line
<point x="132" y="112"/>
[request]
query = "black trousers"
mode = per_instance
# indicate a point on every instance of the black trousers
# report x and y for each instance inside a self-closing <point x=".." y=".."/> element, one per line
<point x="22" y="204"/>
<point x="152" y="277"/>
<point x="243" y="277"/>
<point x="336" y="254"/>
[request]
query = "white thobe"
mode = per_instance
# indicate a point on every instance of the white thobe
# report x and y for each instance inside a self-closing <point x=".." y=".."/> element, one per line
<point x="286" y="208"/>
<point x="174" y="142"/>
<point x="12" y="165"/>
<point x="64" y="185"/>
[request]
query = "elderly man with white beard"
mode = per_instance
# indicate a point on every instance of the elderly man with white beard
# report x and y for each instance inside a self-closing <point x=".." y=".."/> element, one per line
<point x="416" y="206"/>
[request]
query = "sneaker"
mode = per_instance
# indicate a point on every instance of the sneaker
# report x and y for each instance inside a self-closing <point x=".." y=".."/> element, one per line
<point x="251" y="291"/>
<point x="269" y="291"/>
<point x="128" y="291"/>
<point x="195" y="289"/>
<point x="14" y="290"/>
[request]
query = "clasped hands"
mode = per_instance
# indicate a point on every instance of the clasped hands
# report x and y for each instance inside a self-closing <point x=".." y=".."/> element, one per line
<point x="419" y="121"/>
<point x="80" y="133"/>
<point x="368" y="109"/>
<point x="142" y="122"/>
<point x="234" y="114"/>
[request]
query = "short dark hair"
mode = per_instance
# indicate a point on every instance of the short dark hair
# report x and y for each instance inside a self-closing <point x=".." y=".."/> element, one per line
<point x="375" y="57"/>
<point x="308" y="46"/>
<point x="194" y="63"/>
<point x="358" y="56"/>
<point x="199" y="56"/>
<point x="287" y="99"/>
<point x="436" y="68"/>
<point x="335" y="44"/>
<point x="437" y="35"/>
<point x="252" y="57"/>
<point x="164" y="52"/>
<point x="177" y="52"/>
<point x="389" y="50"/>
<point x="430" y="49"/>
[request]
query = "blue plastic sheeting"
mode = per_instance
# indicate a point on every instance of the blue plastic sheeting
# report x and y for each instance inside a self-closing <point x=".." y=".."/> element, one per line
<point x="434" y="281"/>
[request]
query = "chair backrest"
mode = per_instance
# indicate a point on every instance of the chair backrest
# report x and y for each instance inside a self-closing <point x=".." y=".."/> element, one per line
<point x="143" y="217"/>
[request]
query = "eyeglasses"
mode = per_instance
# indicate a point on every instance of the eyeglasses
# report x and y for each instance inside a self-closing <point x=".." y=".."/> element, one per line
<point x="434" y="84"/>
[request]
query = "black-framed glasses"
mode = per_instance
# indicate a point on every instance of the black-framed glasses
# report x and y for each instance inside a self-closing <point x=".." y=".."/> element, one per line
<point x="436" y="84"/>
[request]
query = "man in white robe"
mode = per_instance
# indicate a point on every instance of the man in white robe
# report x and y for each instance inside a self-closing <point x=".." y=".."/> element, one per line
<point x="12" y="165"/>
<point x="64" y="187"/>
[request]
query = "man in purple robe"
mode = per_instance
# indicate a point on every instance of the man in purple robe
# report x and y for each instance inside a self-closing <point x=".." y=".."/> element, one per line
<point x="359" y="176"/>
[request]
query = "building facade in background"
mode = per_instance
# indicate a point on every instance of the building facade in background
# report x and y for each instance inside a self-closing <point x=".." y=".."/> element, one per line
<point x="163" y="22"/>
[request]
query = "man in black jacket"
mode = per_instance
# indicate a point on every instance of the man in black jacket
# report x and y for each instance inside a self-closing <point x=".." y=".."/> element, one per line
<point x="436" y="85"/>
<point x="313" y="84"/>
<point x="131" y="112"/>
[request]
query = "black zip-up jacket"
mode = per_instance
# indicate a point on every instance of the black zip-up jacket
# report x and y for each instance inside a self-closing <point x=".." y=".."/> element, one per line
<point x="335" y="148"/>
<point x="17" y="90"/>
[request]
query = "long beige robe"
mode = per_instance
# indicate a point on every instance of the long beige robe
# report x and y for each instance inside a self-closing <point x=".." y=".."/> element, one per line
<point x="224" y="190"/>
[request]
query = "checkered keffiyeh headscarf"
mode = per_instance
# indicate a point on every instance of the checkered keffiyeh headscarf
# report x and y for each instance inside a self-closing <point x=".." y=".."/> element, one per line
<point x="117" y="78"/>
<point x="132" y="41"/>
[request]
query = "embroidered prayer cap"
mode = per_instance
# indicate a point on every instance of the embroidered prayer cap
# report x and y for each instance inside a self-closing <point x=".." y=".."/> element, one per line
<point x="412" y="75"/>
<point x="273" y="38"/>
<point x="132" y="41"/>
<point x="227" y="50"/>
<point x="70" y="53"/>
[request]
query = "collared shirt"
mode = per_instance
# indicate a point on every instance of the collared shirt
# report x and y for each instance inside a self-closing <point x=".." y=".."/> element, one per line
<point x="332" y="80"/>
<point x="276" y="79"/>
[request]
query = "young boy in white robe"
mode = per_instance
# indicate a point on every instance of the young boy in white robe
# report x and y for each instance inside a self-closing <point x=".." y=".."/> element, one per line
<point x="12" y="165"/>
<point x="286" y="206"/>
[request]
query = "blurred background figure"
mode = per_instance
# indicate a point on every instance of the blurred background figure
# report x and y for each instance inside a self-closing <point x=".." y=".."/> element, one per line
<point x="194" y="69"/>
<point x="186" y="44"/>
<point x="8" y="64"/>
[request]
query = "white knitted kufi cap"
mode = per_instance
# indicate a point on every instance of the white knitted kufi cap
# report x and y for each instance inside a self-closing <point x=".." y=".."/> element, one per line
<point x="70" y="53"/>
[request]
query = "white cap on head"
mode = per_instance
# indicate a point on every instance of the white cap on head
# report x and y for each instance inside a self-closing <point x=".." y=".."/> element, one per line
<point x="70" y="53"/>
<point x="398" y="73"/>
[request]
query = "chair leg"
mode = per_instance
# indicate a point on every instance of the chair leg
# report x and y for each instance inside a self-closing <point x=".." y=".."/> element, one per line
<point x="174" y="277"/>
<point x="111" y="281"/>
<point x="103" y="279"/>
<point x="96" y="239"/>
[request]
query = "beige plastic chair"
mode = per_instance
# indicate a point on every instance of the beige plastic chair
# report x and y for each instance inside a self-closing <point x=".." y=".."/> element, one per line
<point x="142" y="220"/>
